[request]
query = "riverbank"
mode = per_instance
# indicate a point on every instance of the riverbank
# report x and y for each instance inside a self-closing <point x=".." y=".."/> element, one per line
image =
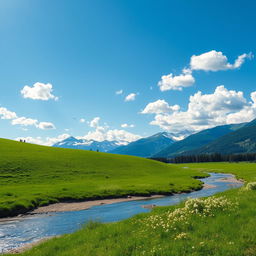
<point x="78" y="206"/>
<point x="54" y="221"/>
<point x="194" y="238"/>
<point x="29" y="246"/>
<point x="85" y="205"/>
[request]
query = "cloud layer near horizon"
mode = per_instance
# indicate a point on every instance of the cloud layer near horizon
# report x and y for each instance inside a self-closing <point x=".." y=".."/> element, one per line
<point x="100" y="133"/>
<point x="221" y="107"/>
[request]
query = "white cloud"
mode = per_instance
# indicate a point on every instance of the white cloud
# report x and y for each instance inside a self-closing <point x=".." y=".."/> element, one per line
<point x="46" y="126"/>
<point x="130" y="97"/>
<point x="24" y="121"/>
<point x="127" y="125"/>
<point x="158" y="107"/>
<point x="102" y="133"/>
<point x="209" y="61"/>
<point x="119" y="92"/>
<point x="39" y="91"/>
<point x="82" y="120"/>
<point x="94" y="122"/>
<point x="208" y="110"/>
<point x="7" y="114"/>
<point x="170" y="82"/>
<point x="121" y="136"/>
<point x="215" y="61"/>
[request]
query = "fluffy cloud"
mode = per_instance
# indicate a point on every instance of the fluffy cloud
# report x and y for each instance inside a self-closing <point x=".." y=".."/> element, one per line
<point x="95" y="122"/>
<point x="38" y="91"/>
<point x="127" y="125"/>
<point x="119" y="92"/>
<point x="215" y="61"/>
<point x="158" y="107"/>
<point x="209" y="61"/>
<point x="46" y="126"/>
<point x="208" y="110"/>
<point x="82" y="120"/>
<point x="7" y="114"/>
<point x="171" y="82"/>
<point x="101" y="133"/>
<point x="130" y="97"/>
<point x="24" y="121"/>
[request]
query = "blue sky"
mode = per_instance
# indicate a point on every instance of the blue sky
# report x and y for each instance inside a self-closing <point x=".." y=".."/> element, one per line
<point x="89" y="50"/>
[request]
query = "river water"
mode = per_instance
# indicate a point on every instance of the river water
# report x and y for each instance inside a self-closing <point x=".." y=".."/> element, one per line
<point x="18" y="232"/>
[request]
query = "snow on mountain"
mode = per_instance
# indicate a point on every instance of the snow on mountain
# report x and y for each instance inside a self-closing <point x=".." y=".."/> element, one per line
<point x="75" y="143"/>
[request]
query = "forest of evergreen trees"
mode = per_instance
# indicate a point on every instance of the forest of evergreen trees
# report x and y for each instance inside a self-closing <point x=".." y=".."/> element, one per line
<point x="216" y="157"/>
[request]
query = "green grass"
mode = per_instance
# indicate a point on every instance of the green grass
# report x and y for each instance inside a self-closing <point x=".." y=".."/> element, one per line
<point x="32" y="175"/>
<point x="229" y="232"/>
<point x="243" y="170"/>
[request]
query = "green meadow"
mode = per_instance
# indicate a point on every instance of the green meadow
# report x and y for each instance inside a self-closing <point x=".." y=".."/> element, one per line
<point x="32" y="176"/>
<point x="222" y="225"/>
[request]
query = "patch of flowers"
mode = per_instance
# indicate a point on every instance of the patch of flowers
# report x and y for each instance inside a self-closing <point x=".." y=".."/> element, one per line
<point x="179" y="218"/>
<point x="181" y="235"/>
<point x="251" y="186"/>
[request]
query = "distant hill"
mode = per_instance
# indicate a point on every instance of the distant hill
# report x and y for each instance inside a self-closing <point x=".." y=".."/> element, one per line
<point x="145" y="147"/>
<point x="242" y="140"/>
<point x="74" y="143"/>
<point x="197" y="140"/>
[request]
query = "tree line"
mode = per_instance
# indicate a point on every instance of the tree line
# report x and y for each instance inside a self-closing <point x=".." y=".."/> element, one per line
<point x="215" y="157"/>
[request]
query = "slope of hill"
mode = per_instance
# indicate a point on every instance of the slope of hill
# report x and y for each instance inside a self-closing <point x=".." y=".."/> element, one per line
<point x="145" y="147"/>
<point x="197" y="140"/>
<point x="242" y="140"/>
<point x="33" y="175"/>
<point x="74" y="143"/>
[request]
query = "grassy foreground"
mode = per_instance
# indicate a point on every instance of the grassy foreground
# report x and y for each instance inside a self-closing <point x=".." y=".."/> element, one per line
<point x="32" y="175"/>
<point x="219" y="226"/>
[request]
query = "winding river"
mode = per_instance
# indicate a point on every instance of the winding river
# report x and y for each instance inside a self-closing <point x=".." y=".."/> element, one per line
<point x="20" y="231"/>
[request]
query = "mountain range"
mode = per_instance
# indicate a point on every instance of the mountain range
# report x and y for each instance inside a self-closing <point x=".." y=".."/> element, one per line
<point x="242" y="140"/>
<point x="72" y="142"/>
<point x="146" y="147"/>
<point x="197" y="140"/>
<point x="225" y="139"/>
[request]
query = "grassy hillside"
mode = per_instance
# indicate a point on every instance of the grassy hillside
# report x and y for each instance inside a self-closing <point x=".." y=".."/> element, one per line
<point x="240" y="141"/>
<point x="32" y="175"/>
<point x="220" y="226"/>
<point x="197" y="140"/>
